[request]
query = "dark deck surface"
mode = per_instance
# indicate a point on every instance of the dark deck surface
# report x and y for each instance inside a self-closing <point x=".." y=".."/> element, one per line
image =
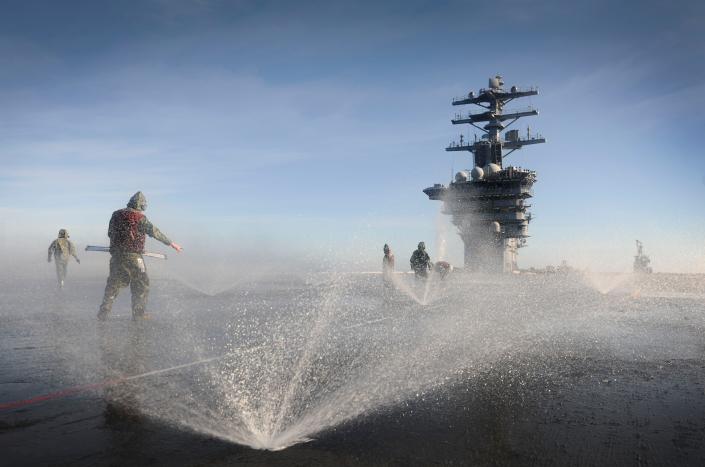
<point x="628" y="391"/>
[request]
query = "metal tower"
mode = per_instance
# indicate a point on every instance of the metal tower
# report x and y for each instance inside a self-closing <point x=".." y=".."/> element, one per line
<point x="488" y="203"/>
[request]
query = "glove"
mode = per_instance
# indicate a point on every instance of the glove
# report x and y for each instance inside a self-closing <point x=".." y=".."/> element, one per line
<point x="78" y="261"/>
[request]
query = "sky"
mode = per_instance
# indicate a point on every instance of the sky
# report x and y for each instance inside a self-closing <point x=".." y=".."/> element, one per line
<point x="308" y="129"/>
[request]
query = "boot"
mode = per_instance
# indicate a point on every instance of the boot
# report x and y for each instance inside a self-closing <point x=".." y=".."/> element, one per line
<point x="103" y="313"/>
<point x="138" y="314"/>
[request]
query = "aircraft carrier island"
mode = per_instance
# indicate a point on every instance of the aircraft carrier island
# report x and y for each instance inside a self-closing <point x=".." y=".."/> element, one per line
<point x="489" y="203"/>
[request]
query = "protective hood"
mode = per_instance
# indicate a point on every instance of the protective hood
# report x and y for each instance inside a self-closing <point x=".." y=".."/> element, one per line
<point x="138" y="201"/>
<point x="422" y="246"/>
<point x="63" y="233"/>
<point x="386" y="249"/>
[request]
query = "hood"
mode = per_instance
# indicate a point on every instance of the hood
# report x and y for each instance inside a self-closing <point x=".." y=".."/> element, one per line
<point x="138" y="201"/>
<point x="63" y="233"/>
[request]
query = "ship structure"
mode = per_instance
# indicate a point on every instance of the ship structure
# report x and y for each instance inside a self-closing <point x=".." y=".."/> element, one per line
<point x="489" y="203"/>
<point x="641" y="260"/>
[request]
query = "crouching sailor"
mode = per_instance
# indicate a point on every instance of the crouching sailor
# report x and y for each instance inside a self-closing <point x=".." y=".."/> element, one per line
<point x="442" y="268"/>
<point x="127" y="231"/>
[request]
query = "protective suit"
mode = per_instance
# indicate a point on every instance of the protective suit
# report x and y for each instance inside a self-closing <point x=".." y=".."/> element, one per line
<point x="127" y="230"/>
<point x="442" y="268"/>
<point x="61" y="250"/>
<point x="420" y="262"/>
<point x="387" y="265"/>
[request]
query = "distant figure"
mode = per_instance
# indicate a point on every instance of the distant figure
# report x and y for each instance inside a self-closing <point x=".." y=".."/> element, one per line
<point x="442" y="268"/>
<point x="127" y="230"/>
<point x="641" y="261"/>
<point x="421" y="262"/>
<point x="387" y="265"/>
<point x="61" y="249"/>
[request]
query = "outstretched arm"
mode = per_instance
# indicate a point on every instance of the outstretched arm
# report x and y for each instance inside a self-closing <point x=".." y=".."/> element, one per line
<point x="151" y="230"/>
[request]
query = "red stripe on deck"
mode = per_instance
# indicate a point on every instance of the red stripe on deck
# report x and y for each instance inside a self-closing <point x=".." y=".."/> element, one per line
<point x="57" y="394"/>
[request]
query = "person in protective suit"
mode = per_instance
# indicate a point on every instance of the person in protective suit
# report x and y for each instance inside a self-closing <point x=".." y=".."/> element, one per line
<point x="61" y="249"/>
<point x="387" y="265"/>
<point x="442" y="268"/>
<point x="127" y="231"/>
<point x="421" y="262"/>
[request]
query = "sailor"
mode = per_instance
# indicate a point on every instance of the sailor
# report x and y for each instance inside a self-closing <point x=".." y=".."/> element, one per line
<point x="387" y="265"/>
<point x="442" y="268"/>
<point x="421" y="262"/>
<point x="127" y="230"/>
<point x="61" y="249"/>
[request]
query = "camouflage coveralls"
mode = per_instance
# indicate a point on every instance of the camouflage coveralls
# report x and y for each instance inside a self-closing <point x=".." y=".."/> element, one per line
<point x="388" y="268"/>
<point x="127" y="231"/>
<point x="61" y="249"/>
<point x="420" y="263"/>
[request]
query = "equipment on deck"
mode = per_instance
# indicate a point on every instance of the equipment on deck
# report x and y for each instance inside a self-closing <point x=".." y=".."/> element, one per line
<point x="107" y="250"/>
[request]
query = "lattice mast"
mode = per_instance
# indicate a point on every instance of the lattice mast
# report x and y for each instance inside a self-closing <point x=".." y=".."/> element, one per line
<point x="488" y="203"/>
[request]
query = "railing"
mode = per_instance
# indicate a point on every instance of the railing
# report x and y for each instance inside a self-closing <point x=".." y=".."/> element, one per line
<point x="463" y="145"/>
<point x="484" y="90"/>
<point x="529" y="137"/>
<point x="459" y="116"/>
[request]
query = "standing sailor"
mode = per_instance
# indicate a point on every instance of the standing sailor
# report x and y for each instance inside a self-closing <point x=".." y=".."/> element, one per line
<point x="61" y="249"/>
<point x="127" y="230"/>
<point x="421" y="262"/>
<point x="387" y="265"/>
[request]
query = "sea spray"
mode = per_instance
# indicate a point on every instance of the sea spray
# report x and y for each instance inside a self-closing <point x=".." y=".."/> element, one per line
<point x="608" y="282"/>
<point x="308" y="356"/>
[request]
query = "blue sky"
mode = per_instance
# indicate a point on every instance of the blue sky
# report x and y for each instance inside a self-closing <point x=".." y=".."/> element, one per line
<point x="312" y="127"/>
